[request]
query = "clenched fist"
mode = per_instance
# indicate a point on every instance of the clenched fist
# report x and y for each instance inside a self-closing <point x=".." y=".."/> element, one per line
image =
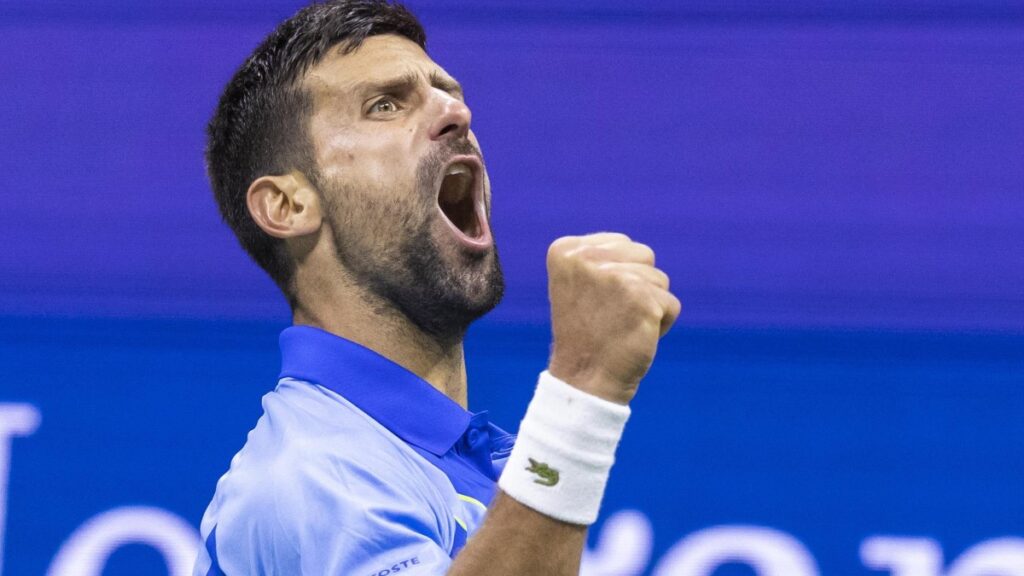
<point x="609" y="307"/>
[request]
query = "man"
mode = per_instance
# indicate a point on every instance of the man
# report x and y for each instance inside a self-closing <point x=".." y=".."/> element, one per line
<point x="342" y="157"/>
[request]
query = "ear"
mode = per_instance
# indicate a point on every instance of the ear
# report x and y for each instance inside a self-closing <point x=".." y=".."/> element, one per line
<point x="285" y="206"/>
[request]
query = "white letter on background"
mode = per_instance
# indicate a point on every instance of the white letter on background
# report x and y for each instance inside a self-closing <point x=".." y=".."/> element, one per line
<point x="623" y="548"/>
<point x="769" y="552"/>
<point x="86" y="552"/>
<point x="15" y="420"/>
<point x="902" y="556"/>
<point x="996" y="557"/>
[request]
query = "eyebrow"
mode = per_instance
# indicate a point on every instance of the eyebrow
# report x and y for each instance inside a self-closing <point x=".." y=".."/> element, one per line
<point x="446" y="83"/>
<point x="406" y="83"/>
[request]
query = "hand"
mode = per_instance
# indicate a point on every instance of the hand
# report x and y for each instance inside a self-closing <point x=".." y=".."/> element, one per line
<point x="609" y="308"/>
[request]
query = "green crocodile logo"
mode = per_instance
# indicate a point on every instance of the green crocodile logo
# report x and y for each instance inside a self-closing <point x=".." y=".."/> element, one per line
<point x="548" y="475"/>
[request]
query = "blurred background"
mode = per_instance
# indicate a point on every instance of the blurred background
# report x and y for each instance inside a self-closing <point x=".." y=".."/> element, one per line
<point x="836" y="189"/>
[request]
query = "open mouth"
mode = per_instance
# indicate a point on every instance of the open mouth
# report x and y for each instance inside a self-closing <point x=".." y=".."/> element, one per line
<point x="460" y="198"/>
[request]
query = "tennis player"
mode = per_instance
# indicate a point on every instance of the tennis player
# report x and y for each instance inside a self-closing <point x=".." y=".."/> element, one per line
<point x="342" y="158"/>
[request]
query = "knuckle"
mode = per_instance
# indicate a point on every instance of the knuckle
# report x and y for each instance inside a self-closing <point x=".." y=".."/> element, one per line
<point x="654" y="316"/>
<point x="583" y="249"/>
<point x="646" y="252"/>
<point x="589" y="252"/>
<point x="664" y="278"/>
<point x="561" y="246"/>
<point x="610" y="235"/>
<point x="632" y="287"/>
<point x="677" y="306"/>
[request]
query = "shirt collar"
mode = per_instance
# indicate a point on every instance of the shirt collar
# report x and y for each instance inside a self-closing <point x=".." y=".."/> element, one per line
<point x="399" y="400"/>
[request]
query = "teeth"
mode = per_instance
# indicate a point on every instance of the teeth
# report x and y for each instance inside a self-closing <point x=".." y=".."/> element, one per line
<point x="457" y="183"/>
<point x="457" y="168"/>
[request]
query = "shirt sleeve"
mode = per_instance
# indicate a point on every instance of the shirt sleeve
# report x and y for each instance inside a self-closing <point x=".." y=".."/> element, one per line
<point x="317" y="518"/>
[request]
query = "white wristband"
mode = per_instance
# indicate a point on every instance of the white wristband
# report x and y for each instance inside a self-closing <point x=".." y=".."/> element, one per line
<point x="565" y="448"/>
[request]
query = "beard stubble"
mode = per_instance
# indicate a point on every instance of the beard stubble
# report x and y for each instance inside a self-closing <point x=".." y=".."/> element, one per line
<point x="391" y="247"/>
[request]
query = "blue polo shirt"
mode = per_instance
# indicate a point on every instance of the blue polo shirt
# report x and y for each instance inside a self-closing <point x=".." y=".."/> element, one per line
<point x="357" y="467"/>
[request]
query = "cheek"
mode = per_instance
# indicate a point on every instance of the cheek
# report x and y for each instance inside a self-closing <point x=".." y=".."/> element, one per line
<point x="374" y="160"/>
<point x="475" y="143"/>
<point x="336" y="154"/>
<point x="370" y="149"/>
<point x="487" y="191"/>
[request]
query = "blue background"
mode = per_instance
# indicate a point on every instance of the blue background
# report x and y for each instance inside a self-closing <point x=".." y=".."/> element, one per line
<point x="836" y="189"/>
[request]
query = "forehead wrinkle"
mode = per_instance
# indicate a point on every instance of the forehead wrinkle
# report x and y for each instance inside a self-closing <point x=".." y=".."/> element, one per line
<point x="327" y="91"/>
<point x="333" y="86"/>
<point x="400" y="82"/>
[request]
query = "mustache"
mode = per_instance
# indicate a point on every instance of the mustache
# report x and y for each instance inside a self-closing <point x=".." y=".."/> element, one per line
<point x="439" y="157"/>
<point x="463" y="146"/>
<point x="458" y="147"/>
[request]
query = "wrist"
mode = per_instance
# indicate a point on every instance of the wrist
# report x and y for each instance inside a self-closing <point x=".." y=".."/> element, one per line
<point x="593" y="380"/>
<point x="564" y="451"/>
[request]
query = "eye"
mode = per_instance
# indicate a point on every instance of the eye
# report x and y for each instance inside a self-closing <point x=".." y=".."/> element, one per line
<point x="385" y="105"/>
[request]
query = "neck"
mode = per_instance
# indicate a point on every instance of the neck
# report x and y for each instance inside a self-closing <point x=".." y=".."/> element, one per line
<point x="371" y="322"/>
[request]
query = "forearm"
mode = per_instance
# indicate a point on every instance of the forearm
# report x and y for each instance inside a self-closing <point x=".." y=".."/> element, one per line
<point x="609" y="307"/>
<point x="551" y="485"/>
<point x="517" y="540"/>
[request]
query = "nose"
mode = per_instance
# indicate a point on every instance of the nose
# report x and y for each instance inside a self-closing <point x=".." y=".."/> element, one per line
<point x="452" y="121"/>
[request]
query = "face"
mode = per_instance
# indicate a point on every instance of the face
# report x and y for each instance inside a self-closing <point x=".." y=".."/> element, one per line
<point x="404" y="188"/>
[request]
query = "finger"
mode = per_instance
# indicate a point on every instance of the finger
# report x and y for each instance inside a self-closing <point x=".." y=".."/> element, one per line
<point x="670" y="306"/>
<point x="630" y="252"/>
<point x="569" y="244"/>
<point x="616" y="251"/>
<point x="604" y="237"/>
<point x="649" y="274"/>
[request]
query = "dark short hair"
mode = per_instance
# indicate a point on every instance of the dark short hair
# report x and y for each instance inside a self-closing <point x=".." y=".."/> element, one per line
<point x="260" y="125"/>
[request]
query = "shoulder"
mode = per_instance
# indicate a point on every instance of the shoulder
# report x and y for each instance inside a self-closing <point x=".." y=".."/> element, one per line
<point x="309" y="432"/>
<point x="317" y="479"/>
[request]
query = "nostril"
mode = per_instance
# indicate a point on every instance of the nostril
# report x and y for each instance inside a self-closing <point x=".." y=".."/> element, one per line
<point x="447" y="129"/>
